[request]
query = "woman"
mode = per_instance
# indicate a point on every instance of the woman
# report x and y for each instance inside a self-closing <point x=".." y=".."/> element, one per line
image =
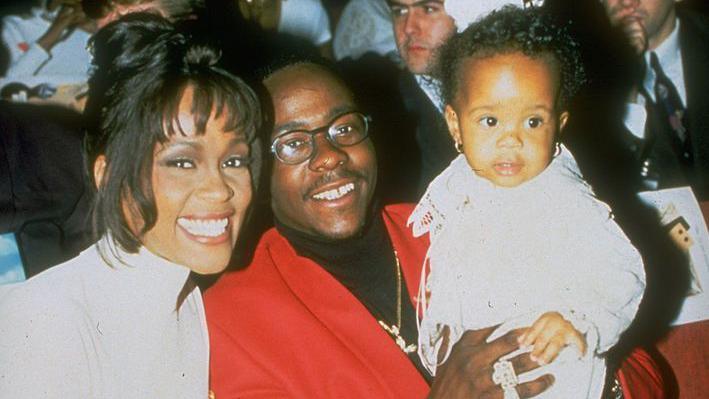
<point x="169" y="146"/>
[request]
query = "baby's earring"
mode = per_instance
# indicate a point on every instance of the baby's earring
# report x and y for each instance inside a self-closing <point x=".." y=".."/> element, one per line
<point x="459" y="147"/>
<point x="557" y="149"/>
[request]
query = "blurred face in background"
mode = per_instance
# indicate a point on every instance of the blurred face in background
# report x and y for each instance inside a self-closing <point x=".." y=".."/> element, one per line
<point x="421" y="27"/>
<point x="646" y="22"/>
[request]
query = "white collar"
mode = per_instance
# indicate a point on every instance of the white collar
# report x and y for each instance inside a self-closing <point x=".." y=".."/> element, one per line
<point x="432" y="87"/>
<point x="670" y="57"/>
<point x="163" y="279"/>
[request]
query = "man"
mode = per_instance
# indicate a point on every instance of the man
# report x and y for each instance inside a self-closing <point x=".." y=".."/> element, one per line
<point x="421" y="27"/>
<point x="326" y="308"/>
<point x="671" y="114"/>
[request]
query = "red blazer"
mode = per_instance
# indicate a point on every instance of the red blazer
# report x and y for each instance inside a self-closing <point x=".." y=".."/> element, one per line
<point x="284" y="327"/>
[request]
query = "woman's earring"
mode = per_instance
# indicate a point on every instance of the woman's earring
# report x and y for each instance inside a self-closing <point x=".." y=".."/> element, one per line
<point x="557" y="149"/>
<point x="459" y="147"/>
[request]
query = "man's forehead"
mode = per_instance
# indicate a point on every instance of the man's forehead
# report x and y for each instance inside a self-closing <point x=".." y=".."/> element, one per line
<point x="307" y="95"/>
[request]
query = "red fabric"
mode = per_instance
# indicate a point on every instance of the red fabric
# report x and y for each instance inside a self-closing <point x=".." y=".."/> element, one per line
<point x="284" y="327"/>
<point x="23" y="46"/>
<point x="640" y="377"/>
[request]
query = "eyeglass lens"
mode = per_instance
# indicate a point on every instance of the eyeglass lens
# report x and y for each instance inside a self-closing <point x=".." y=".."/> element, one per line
<point x="297" y="146"/>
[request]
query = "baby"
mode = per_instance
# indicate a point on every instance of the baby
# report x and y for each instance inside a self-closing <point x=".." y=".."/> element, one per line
<point x="517" y="237"/>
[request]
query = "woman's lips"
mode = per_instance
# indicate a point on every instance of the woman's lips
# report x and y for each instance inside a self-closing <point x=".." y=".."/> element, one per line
<point x="210" y="231"/>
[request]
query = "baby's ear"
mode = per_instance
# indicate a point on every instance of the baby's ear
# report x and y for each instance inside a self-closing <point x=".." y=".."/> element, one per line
<point x="563" y="118"/>
<point x="453" y="123"/>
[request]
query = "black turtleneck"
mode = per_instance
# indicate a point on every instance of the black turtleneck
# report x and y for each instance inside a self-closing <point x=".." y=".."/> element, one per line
<point x="366" y="266"/>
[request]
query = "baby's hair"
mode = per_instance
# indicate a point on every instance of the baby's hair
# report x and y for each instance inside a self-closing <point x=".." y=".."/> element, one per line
<point x="511" y="29"/>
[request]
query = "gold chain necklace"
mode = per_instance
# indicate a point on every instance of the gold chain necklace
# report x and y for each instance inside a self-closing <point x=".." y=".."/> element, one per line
<point x="395" y="329"/>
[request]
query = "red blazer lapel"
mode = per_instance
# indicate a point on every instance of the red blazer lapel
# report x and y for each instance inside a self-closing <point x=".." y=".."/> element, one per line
<point x="348" y="320"/>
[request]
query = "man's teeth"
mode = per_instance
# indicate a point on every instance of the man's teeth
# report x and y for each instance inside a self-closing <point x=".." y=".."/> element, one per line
<point x="204" y="227"/>
<point x="335" y="193"/>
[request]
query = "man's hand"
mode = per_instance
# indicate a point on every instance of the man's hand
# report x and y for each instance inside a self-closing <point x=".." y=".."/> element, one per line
<point x="635" y="31"/>
<point x="70" y="15"/>
<point x="468" y="371"/>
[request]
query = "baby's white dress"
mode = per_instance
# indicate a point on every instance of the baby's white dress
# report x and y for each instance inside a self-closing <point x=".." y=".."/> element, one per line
<point x="508" y="255"/>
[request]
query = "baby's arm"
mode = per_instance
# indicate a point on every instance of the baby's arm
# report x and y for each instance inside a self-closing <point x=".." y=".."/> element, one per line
<point x="549" y="334"/>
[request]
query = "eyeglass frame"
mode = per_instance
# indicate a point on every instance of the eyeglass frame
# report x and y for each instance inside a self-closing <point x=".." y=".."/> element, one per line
<point x="314" y="132"/>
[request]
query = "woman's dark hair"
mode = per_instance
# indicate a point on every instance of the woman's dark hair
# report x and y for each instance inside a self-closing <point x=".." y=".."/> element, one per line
<point x="531" y="31"/>
<point x="142" y="66"/>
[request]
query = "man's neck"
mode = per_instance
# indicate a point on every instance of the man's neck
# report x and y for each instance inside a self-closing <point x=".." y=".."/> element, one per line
<point x="664" y="31"/>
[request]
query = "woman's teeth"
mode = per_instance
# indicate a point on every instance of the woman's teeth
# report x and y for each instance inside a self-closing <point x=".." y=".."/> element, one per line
<point x="204" y="227"/>
<point x="335" y="193"/>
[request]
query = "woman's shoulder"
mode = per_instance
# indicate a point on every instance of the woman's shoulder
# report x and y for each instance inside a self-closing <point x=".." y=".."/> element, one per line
<point x="56" y="290"/>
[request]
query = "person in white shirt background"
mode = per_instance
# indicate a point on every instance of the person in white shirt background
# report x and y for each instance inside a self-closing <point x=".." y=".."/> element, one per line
<point x="48" y="46"/>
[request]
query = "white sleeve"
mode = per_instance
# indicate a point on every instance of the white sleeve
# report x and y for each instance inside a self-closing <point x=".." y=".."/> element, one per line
<point x="608" y="296"/>
<point x="306" y="19"/>
<point x="26" y="57"/>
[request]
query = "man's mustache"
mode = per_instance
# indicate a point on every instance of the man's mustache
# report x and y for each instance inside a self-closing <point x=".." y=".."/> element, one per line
<point x="331" y="176"/>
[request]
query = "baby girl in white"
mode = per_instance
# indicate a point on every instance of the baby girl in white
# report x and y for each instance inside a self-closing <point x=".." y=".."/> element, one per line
<point x="517" y="237"/>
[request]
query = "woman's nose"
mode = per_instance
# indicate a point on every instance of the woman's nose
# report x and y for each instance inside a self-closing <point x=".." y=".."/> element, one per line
<point x="215" y="187"/>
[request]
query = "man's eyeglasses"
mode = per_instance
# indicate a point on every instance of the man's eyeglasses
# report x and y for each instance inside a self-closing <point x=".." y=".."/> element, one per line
<point x="298" y="146"/>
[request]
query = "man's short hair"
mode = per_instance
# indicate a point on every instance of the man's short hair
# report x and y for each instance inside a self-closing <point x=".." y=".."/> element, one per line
<point x="142" y="67"/>
<point x="531" y="31"/>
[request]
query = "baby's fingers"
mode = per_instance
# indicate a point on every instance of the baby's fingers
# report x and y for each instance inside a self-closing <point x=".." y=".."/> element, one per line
<point x="579" y="341"/>
<point x="532" y="334"/>
<point x="551" y="350"/>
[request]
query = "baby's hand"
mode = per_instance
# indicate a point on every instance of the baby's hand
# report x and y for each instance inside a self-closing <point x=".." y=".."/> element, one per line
<point x="549" y="335"/>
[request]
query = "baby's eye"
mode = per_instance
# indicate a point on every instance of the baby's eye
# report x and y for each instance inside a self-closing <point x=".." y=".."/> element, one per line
<point x="488" y="121"/>
<point x="534" y="122"/>
<point x="181" y="163"/>
<point x="235" y="162"/>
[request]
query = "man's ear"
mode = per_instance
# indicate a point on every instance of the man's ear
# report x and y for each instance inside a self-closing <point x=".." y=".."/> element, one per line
<point x="99" y="170"/>
<point x="563" y="118"/>
<point x="453" y="124"/>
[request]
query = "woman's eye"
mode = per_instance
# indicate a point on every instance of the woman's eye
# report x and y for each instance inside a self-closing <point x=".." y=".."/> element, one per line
<point x="534" y="122"/>
<point x="181" y="163"/>
<point x="235" y="162"/>
<point x="488" y="121"/>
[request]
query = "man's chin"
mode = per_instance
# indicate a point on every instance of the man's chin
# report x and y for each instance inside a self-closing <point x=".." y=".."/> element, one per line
<point x="342" y="228"/>
<point x="418" y="65"/>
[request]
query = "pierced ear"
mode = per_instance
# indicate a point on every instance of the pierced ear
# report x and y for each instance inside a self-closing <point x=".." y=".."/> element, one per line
<point x="99" y="170"/>
<point x="563" y="118"/>
<point x="453" y="124"/>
